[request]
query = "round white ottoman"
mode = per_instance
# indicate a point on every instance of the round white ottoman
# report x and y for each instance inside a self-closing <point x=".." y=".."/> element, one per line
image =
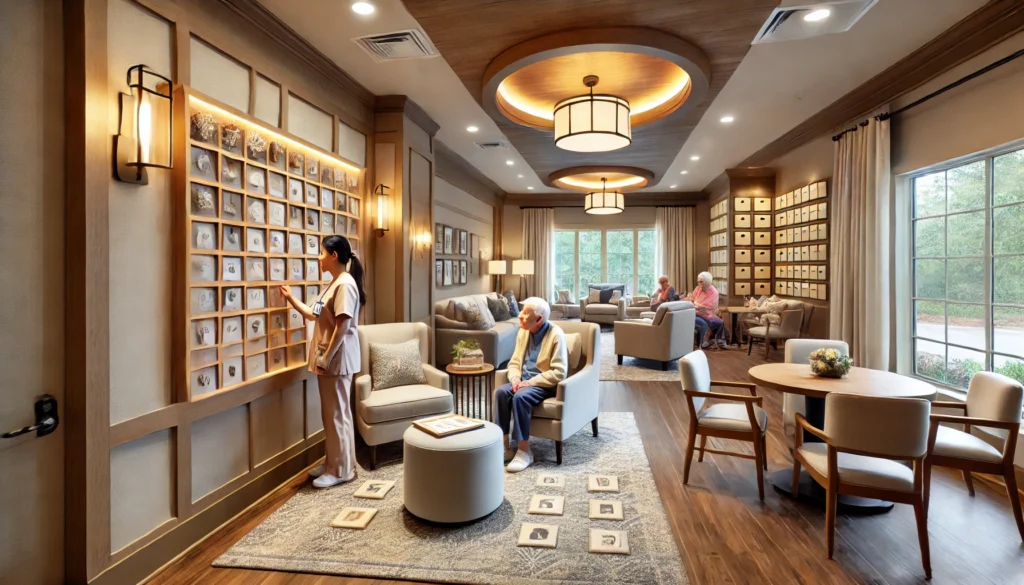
<point x="458" y="478"/>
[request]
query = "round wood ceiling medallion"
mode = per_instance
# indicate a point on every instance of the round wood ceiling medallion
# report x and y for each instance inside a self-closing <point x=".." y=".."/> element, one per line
<point x="585" y="179"/>
<point x="656" y="72"/>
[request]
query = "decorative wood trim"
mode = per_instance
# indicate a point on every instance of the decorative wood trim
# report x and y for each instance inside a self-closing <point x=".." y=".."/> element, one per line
<point x="632" y="199"/>
<point x="983" y="29"/>
<point x="454" y="169"/>
<point x="402" y="104"/>
<point x="142" y="541"/>
<point x="87" y="294"/>
<point x="750" y="173"/>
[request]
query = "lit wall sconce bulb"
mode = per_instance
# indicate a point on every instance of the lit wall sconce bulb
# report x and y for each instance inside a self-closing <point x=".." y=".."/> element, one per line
<point x="383" y="220"/>
<point x="149" y="142"/>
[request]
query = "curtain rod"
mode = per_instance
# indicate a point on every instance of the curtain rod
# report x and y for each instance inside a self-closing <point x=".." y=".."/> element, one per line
<point x="886" y="115"/>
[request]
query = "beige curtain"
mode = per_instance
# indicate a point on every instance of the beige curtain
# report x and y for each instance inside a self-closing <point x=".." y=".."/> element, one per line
<point x="859" y="256"/>
<point x="538" y="232"/>
<point x="673" y="233"/>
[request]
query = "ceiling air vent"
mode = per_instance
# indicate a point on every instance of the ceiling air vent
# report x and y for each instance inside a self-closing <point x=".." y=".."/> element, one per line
<point x="787" y="23"/>
<point x="404" y="44"/>
<point x="491" y="145"/>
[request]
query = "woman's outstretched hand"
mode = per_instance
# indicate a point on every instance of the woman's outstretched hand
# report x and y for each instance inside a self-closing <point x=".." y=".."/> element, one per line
<point x="286" y="291"/>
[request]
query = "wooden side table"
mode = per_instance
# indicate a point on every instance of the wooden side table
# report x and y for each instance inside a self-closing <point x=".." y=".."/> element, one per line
<point x="473" y="391"/>
<point x="734" y="312"/>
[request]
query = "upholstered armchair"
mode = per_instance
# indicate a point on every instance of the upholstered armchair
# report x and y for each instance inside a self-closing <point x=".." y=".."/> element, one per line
<point x="789" y="328"/>
<point x="577" y="399"/>
<point x="798" y="351"/>
<point x="667" y="337"/>
<point x="382" y="416"/>
<point x="607" y="313"/>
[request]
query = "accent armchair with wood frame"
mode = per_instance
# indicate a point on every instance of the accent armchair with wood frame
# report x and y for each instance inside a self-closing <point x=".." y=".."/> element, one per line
<point x="993" y="401"/>
<point x="865" y="442"/>
<point x="789" y="328"/>
<point x="741" y="418"/>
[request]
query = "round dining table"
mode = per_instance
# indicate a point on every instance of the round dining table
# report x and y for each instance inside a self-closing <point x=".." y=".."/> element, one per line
<point x="798" y="379"/>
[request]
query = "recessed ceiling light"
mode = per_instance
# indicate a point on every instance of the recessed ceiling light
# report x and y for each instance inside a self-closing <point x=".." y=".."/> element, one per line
<point x="684" y="172"/>
<point x="695" y="157"/>
<point x="817" y="15"/>
<point x="519" y="176"/>
<point x="672" y="186"/>
<point x="530" y="188"/>
<point x="510" y="162"/>
<point x="727" y="120"/>
<point x="472" y="129"/>
<point x="363" y="8"/>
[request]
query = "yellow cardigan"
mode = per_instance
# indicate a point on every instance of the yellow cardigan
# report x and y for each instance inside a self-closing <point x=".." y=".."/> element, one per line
<point x="552" y="360"/>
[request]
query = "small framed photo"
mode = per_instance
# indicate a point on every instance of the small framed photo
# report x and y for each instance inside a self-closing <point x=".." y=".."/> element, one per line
<point x="609" y="542"/>
<point x="232" y="268"/>
<point x="438" y="238"/>
<point x="550" y="480"/>
<point x="474" y="245"/>
<point x="547" y="505"/>
<point x="463" y="267"/>
<point x="605" y="510"/>
<point x="354" y="518"/>
<point x="374" y="490"/>
<point x="447" y="273"/>
<point x="312" y="246"/>
<point x="438" y="272"/>
<point x="463" y="242"/>
<point x="538" y="535"/>
<point x="447" y="424"/>
<point x="449" y="234"/>
<point x="603" y="483"/>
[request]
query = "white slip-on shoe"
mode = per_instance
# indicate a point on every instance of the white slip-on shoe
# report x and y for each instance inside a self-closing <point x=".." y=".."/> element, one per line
<point x="521" y="461"/>
<point x="723" y="344"/>
<point x="317" y="471"/>
<point x="327" y="480"/>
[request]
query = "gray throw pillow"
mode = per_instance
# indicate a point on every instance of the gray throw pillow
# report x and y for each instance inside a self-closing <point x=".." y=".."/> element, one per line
<point x="513" y="306"/>
<point x="396" y="364"/>
<point x="498" y="306"/>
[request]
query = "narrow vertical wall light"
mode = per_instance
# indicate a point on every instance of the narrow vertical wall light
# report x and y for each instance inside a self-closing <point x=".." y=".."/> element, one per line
<point x="149" y="141"/>
<point x="383" y="220"/>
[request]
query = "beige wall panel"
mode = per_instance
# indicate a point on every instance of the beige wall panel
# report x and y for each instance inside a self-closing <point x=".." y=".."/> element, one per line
<point x="140" y="235"/>
<point x="268" y="101"/>
<point x="351" y="144"/>
<point x="421" y="269"/>
<point x="314" y="422"/>
<point x="141" y="487"/>
<point x="220" y="450"/>
<point x="277" y="422"/>
<point x="309" y="123"/>
<point x="385" y="272"/>
<point x="456" y="208"/>
<point x="511" y="243"/>
<point x="809" y="163"/>
<point x="219" y="76"/>
<point x="32" y="314"/>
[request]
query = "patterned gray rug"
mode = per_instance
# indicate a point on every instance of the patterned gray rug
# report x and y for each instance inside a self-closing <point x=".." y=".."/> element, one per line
<point x="297" y="537"/>
<point x="632" y="368"/>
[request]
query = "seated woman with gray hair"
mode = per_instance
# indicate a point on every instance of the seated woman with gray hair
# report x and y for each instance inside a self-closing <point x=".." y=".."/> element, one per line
<point x="705" y="299"/>
<point x="664" y="294"/>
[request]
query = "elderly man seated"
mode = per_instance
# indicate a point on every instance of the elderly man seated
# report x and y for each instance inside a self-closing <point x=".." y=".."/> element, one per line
<point x="538" y="364"/>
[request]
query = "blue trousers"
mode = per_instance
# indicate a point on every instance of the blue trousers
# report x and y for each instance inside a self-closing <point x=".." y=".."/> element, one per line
<point x="517" y="407"/>
<point x="717" y="327"/>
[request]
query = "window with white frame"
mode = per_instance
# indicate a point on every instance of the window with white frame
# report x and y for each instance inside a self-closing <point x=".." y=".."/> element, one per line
<point x="585" y="256"/>
<point x="968" y="269"/>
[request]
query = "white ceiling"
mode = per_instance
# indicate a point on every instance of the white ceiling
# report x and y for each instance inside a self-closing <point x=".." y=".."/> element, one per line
<point x="777" y="86"/>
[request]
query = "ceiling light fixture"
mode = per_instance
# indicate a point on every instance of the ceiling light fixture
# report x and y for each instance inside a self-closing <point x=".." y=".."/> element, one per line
<point x="695" y="157"/>
<point x="604" y="202"/>
<point x="472" y="129"/>
<point x="817" y="15"/>
<point x="727" y="120"/>
<point x="363" y="8"/>
<point x="592" y="122"/>
<point x="672" y="186"/>
<point x="510" y="162"/>
<point x="684" y="172"/>
<point x="529" y="188"/>
<point x="519" y="176"/>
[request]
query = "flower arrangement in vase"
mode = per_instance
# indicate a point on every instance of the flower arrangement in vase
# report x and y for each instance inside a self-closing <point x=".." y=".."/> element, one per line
<point x="829" y="363"/>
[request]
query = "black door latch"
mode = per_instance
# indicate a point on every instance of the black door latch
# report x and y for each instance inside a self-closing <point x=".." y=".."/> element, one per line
<point x="46" y="419"/>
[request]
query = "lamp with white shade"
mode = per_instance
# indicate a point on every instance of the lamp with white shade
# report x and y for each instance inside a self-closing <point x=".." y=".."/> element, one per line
<point x="522" y="268"/>
<point x="497" y="268"/>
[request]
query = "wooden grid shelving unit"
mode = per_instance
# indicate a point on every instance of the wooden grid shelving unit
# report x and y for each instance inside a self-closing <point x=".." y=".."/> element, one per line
<point x="255" y="204"/>
<point x="719" y="245"/>
<point x="752" y="243"/>
<point x="802" y="226"/>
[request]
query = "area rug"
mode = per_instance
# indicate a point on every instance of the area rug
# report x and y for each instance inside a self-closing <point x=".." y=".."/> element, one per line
<point x="297" y="537"/>
<point x="632" y="368"/>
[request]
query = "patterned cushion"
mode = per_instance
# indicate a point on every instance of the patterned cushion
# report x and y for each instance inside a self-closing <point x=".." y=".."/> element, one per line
<point x="594" y="296"/>
<point x="468" y="311"/>
<point x="513" y="306"/>
<point x="498" y="306"/>
<point x="564" y="298"/>
<point x="396" y="364"/>
<point x="616" y="295"/>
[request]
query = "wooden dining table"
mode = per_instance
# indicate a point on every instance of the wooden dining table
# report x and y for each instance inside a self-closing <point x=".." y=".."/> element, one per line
<point x="798" y="379"/>
<point x="734" y="313"/>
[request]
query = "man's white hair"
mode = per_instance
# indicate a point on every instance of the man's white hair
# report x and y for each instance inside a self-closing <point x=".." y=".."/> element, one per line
<point x="706" y="277"/>
<point x="539" y="306"/>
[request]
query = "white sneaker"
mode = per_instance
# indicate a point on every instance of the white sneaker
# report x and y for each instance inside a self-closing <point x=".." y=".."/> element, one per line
<point x="521" y="461"/>
<point x="510" y="453"/>
<point x="317" y="471"/>
<point x="327" y="480"/>
<point x="723" y="344"/>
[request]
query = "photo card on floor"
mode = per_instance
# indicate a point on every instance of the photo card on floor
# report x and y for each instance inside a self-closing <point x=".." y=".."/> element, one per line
<point x="550" y="480"/>
<point x="605" y="510"/>
<point x="609" y="542"/>
<point x="538" y="535"/>
<point x="374" y="489"/>
<point x="547" y="505"/>
<point x="603" y="483"/>
<point x="356" y="518"/>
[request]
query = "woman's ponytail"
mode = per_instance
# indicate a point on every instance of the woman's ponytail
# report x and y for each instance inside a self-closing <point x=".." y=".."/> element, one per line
<point x="355" y="268"/>
<point x="343" y="248"/>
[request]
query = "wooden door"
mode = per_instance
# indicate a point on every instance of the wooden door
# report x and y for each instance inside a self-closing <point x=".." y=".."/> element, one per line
<point x="32" y="273"/>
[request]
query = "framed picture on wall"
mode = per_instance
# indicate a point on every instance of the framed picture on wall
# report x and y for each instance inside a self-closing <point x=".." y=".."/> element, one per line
<point x="447" y="272"/>
<point x="462" y="270"/>
<point x="438" y="272"/>
<point x="438" y="238"/>
<point x="474" y="245"/>
<point x="463" y="243"/>
<point x="448" y="236"/>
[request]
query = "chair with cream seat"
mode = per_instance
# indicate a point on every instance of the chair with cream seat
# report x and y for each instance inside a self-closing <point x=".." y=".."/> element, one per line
<point x="993" y="401"/>
<point x="789" y="328"/>
<point x="866" y="441"/>
<point x="741" y="418"/>
<point x="798" y="351"/>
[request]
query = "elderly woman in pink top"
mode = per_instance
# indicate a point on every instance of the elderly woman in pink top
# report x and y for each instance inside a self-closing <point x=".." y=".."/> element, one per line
<point x="705" y="300"/>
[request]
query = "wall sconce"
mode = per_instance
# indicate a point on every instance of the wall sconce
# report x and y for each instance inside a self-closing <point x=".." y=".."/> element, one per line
<point x="422" y="241"/>
<point x="145" y="137"/>
<point x="383" y="209"/>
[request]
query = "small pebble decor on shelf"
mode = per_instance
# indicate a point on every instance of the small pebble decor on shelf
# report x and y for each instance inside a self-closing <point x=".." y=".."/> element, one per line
<point x="829" y="363"/>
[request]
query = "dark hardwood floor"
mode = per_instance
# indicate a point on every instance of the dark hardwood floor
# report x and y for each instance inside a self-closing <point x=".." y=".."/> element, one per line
<point x="725" y="534"/>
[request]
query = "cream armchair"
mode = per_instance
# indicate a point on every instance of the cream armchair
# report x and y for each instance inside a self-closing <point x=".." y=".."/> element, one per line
<point x="577" y="399"/>
<point x="607" y="313"/>
<point x="382" y="416"/>
<point x="667" y="337"/>
<point x="798" y="351"/>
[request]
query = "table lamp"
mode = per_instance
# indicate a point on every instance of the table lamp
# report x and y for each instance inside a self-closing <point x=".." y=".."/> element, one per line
<point x="497" y="268"/>
<point x="522" y="268"/>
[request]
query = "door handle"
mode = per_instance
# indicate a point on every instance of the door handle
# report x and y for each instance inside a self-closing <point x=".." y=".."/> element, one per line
<point x="46" y="419"/>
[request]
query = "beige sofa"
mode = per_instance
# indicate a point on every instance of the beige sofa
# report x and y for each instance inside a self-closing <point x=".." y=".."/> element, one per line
<point x="666" y="337"/>
<point x="382" y="416"/>
<point x="577" y="400"/>
<point x="497" y="343"/>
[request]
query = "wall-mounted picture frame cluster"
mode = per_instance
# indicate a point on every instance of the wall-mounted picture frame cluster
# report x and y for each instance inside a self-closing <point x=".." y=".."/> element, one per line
<point x="256" y="205"/>
<point x="451" y="272"/>
<point x="452" y="241"/>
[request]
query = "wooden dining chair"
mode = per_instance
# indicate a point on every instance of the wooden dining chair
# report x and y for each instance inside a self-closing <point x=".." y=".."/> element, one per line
<point x="993" y="401"/>
<point x="741" y="418"/>
<point x="866" y="439"/>
<point x="788" y="328"/>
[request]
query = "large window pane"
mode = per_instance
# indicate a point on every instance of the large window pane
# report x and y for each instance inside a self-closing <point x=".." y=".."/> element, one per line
<point x="930" y="279"/>
<point x="620" y="258"/>
<point x="930" y="237"/>
<point x="930" y="320"/>
<point x="930" y="195"/>
<point x="967" y="325"/>
<point x="965" y="187"/>
<point x="1008" y="330"/>
<point x="966" y="279"/>
<point x="646" y="253"/>
<point x="1008" y="178"/>
<point x="961" y="364"/>
<point x="1009" y="366"/>
<point x="966" y="234"/>
<point x="1008" y="283"/>
<point x="930" y="359"/>
<point x="1008" y="229"/>
<point x="565" y="262"/>
<point x="590" y="259"/>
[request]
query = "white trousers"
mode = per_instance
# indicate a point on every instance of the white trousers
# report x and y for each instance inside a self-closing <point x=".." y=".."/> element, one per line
<point x="339" y="432"/>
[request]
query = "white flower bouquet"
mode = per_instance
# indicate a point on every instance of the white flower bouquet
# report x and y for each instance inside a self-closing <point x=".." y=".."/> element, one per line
<point x="829" y="363"/>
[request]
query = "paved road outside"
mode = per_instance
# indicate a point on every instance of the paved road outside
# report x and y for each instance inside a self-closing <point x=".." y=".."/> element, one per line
<point x="1009" y="341"/>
